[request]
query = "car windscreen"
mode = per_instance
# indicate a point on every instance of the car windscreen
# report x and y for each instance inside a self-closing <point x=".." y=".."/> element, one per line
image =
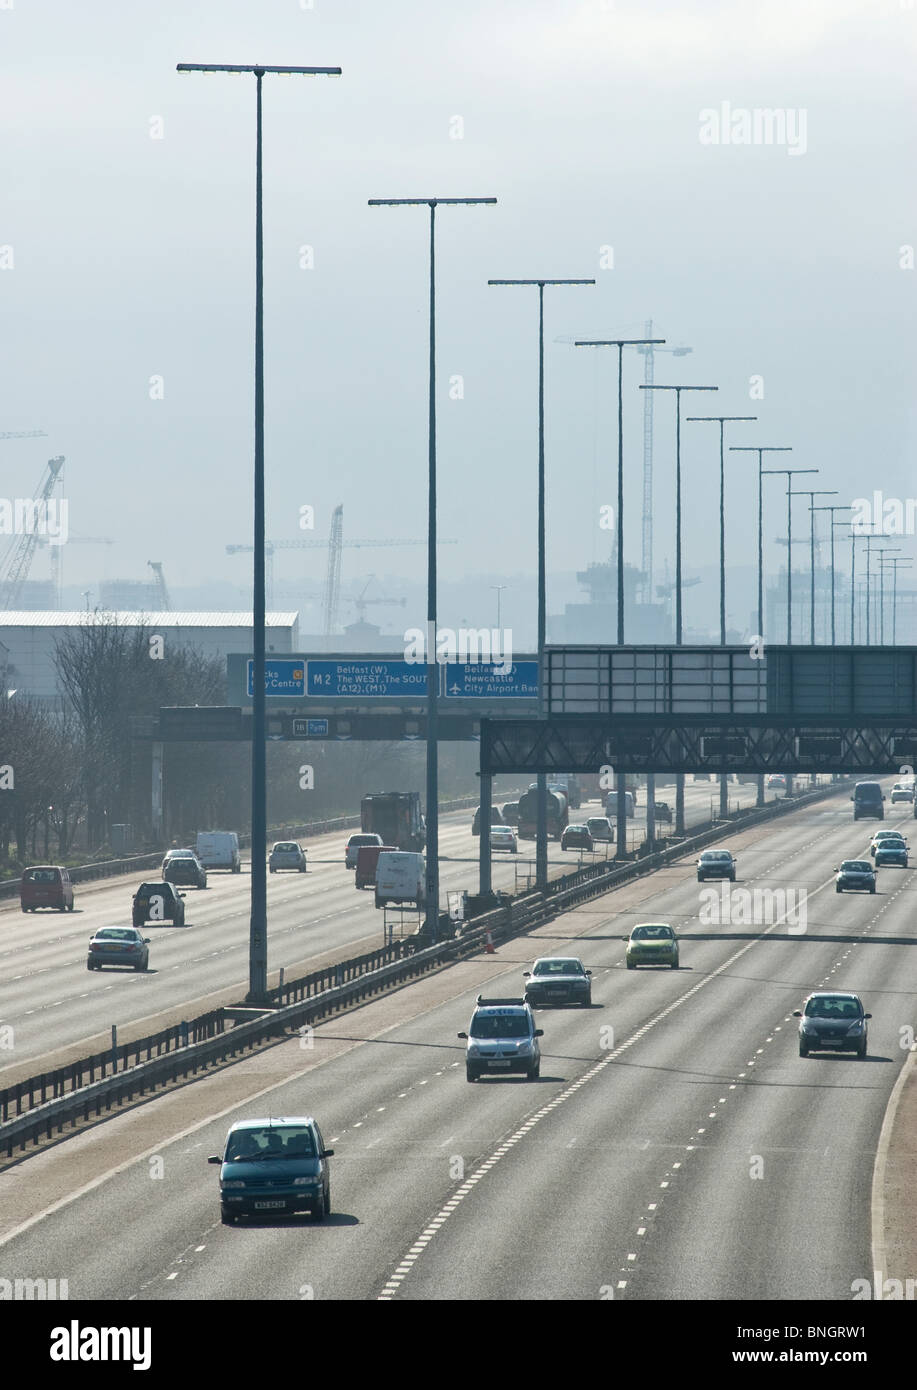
<point x="115" y="934"/>
<point x="41" y="875"/>
<point x="499" y="1026"/>
<point x="831" y="1007"/>
<point x="856" y="866"/>
<point x="716" y="856"/>
<point x="558" y="967"/>
<point x="659" y="933"/>
<point x="287" y="848"/>
<point x="272" y="1141"/>
<point x="147" y="890"/>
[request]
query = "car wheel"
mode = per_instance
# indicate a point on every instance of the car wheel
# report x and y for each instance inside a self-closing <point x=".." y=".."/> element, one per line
<point x="328" y="1201"/>
<point x="803" y="1048"/>
<point x="470" y="1074"/>
<point x="872" y="888"/>
<point x="273" y="870"/>
<point x="535" y="1072"/>
<point x="140" y="966"/>
<point x="227" y="1217"/>
<point x="587" y="1002"/>
<point x="320" y="1211"/>
<point x="674" y="964"/>
<point x="302" y="868"/>
<point x="70" y="908"/>
<point x="630" y="965"/>
<point x="732" y="878"/>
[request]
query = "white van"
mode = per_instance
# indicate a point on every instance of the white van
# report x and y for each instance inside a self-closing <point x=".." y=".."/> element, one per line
<point x="611" y="804"/>
<point x="219" y="849"/>
<point x="400" y="877"/>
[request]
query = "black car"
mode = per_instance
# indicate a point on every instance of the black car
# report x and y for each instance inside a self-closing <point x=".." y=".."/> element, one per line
<point x="716" y="863"/>
<point x="855" y="873"/>
<point x="577" y="837"/>
<point x="663" y="811"/>
<point x="158" y="902"/>
<point x="830" y="1022"/>
<point x="184" y="868"/>
<point x="558" y="980"/>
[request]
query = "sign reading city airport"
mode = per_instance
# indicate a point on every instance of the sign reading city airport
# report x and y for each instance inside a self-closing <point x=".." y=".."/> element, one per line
<point x="282" y="678"/>
<point x="488" y="680"/>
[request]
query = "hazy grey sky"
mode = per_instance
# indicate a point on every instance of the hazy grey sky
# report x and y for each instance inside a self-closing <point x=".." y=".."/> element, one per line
<point x="133" y="258"/>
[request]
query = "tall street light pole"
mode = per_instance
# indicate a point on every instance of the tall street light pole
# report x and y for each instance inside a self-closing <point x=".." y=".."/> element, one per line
<point x="760" y="450"/>
<point x="870" y="537"/>
<point x="620" y="344"/>
<point x="832" y="525"/>
<point x="541" y="828"/>
<point x="499" y="588"/>
<point x="790" y="474"/>
<point x="882" y="552"/>
<point x="680" y="776"/>
<point x="895" y="563"/>
<point x="431" y="907"/>
<point x="805" y="492"/>
<point x="257" y="988"/>
<point x="722" y="421"/>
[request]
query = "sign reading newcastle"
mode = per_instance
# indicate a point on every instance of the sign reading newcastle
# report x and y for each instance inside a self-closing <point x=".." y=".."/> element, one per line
<point x="484" y="681"/>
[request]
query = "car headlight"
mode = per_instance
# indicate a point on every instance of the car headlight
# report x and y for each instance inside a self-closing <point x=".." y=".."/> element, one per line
<point x="473" y="1049"/>
<point x="236" y="1182"/>
<point x="856" y="1026"/>
<point x="808" y="1026"/>
<point x="306" y="1182"/>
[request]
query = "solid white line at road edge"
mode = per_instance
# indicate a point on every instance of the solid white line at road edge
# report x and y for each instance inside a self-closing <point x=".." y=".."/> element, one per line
<point x="877" y="1214"/>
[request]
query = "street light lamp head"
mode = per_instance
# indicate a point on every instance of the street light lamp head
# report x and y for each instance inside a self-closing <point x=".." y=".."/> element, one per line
<point x="424" y="202"/>
<point x="259" y="69"/>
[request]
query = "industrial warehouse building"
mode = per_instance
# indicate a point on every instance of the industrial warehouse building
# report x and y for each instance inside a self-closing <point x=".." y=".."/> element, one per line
<point x="28" y="639"/>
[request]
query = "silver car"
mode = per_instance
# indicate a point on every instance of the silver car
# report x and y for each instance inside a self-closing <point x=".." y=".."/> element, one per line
<point x="287" y="854"/>
<point x="502" y="1037"/>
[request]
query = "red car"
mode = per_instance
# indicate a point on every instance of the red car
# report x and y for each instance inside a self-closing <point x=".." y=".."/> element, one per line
<point x="45" y="886"/>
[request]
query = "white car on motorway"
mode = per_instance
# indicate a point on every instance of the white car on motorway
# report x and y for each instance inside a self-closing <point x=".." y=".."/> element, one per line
<point x="503" y="837"/>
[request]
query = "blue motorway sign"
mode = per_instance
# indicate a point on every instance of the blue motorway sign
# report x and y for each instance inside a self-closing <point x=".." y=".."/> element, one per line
<point x="282" y="678"/>
<point x="366" y="678"/>
<point x="483" y="680"/>
<point x="310" y="728"/>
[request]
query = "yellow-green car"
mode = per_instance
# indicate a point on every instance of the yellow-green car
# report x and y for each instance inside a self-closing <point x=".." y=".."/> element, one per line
<point x="651" y="943"/>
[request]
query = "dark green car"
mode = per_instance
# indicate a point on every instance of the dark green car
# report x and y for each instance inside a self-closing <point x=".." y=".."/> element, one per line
<point x="651" y="943"/>
<point x="276" y="1166"/>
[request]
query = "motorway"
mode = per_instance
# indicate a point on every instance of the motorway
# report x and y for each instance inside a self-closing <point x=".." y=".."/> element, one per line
<point x="675" y="1147"/>
<point x="52" y="1001"/>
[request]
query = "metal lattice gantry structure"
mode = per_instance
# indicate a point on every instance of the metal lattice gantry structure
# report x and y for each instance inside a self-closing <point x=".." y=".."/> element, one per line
<point x="718" y="709"/>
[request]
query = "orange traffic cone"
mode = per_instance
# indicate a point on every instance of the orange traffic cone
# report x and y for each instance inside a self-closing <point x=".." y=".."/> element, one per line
<point x="489" y="945"/>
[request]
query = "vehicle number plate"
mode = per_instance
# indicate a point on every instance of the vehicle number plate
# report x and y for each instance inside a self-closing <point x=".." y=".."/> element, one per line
<point x="260" y="1206"/>
<point x="499" y="1063"/>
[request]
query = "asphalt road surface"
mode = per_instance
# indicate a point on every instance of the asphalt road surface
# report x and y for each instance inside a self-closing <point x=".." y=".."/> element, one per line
<point x="675" y="1147"/>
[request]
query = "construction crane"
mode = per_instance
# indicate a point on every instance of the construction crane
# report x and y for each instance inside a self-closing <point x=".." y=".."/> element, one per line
<point x="19" y="560"/>
<point x="361" y="603"/>
<point x="165" y="601"/>
<point x="649" y="351"/>
<point x="57" y="560"/>
<point x="335" y="543"/>
<point x="332" y="593"/>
